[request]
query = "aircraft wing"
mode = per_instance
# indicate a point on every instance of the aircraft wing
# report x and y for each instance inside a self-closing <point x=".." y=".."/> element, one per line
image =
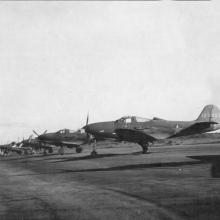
<point x="195" y="128"/>
<point x="132" y="135"/>
<point x="7" y="147"/>
<point x="72" y="144"/>
<point x="69" y="144"/>
<point x="12" y="149"/>
<point x="3" y="147"/>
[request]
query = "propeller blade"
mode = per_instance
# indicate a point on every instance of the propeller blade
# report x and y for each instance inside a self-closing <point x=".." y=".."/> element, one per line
<point x="87" y="119"/>
<point x="36" y="133"/>
<point x="30" y="137"/>
<point x="45" y="132"/>
<point x="87" y="122"/>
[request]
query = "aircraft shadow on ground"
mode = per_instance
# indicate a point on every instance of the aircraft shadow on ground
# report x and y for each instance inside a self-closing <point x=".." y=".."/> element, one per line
<point x="136" y="166"/>
<point x="120" y="168"/>
<point x="28" y="157"/>
<point x="88" y="157"/>
<point x="25" y="159"/>
<point x="214" y="160"/>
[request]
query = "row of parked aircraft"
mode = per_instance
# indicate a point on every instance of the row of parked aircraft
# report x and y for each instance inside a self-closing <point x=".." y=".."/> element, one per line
<point x="133" y="129"/>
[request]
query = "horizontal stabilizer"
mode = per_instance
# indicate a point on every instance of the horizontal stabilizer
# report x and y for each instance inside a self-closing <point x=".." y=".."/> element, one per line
<point x="195" y="128"/>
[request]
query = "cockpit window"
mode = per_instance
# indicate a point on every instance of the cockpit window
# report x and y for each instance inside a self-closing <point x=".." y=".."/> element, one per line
<point x="68" y="131"/>
<point x="64" y="131"/>
<point x="139" y="119"/>
<point x="129" y="119"/>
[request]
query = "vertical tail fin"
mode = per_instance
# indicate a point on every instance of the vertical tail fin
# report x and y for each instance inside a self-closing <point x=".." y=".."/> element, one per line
<point x="210" y="113"/>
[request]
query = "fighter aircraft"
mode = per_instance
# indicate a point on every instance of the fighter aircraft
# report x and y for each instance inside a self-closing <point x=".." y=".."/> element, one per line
<point x="64" y="137"/>
<point x="144" y="131"/>
<point x="35" y="145"/>
<point x="13" y="147"/>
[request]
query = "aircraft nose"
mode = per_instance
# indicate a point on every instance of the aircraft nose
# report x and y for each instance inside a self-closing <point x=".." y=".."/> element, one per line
<point x="90" y="128"/>
<point x="87" y="128"/>
<point x="41" y="137"/>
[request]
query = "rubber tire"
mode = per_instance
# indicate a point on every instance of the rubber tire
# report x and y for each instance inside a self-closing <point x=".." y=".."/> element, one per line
<point x="94" y="153"/>
<point x="78" y="150"/>
<point x="145" y="149"/>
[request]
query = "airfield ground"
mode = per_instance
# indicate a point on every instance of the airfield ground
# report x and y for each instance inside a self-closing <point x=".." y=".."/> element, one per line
<point x="171" y="182"/>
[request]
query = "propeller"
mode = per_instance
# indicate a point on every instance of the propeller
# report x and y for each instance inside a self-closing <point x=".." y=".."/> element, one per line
<point x="87" y="122"/>
<point x="89" y="137"/>
<point x="87" y="119"/>
<point x="38" y="134"/>
<point x="30" y="138"/>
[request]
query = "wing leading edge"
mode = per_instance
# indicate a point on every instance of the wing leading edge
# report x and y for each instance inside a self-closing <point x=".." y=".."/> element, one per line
<point x="136" y="136"/>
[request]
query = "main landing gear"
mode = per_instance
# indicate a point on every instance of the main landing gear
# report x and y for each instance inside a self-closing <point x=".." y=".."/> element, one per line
<point x="5" y="153"/>
<point x="47" y="150"/>
<point x="78" y="149"/>
<point x="61" y="150"/>
<point x="94" y="152"/>
<point x="145" y="147"/>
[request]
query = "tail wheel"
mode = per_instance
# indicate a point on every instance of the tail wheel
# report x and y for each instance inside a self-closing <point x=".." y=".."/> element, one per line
<point x="78" y="149"/>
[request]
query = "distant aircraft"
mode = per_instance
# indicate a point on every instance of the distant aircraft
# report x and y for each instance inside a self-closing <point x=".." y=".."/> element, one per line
<point x="64" y="137"/>
<point x="13" y="147"/>
<point x="145" y="131"/>
<point x="34" y="145"/>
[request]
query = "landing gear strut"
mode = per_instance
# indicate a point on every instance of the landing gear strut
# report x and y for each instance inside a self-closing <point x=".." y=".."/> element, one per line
<point x="5" y="153"/>
<point x="94" y="152"/>
<point x="45" y="152"/>
<point x="61" y="150"/>
<point x="145" y="147"/>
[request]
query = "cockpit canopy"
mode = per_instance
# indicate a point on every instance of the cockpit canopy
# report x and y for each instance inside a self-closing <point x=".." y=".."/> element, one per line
<point x="68" y="131"/>
<point x="65" y="131"/>
<point x="129" y="119"/>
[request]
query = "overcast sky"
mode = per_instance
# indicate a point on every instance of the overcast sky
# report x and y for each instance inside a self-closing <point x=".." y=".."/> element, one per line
<point x="59" y="60"/>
